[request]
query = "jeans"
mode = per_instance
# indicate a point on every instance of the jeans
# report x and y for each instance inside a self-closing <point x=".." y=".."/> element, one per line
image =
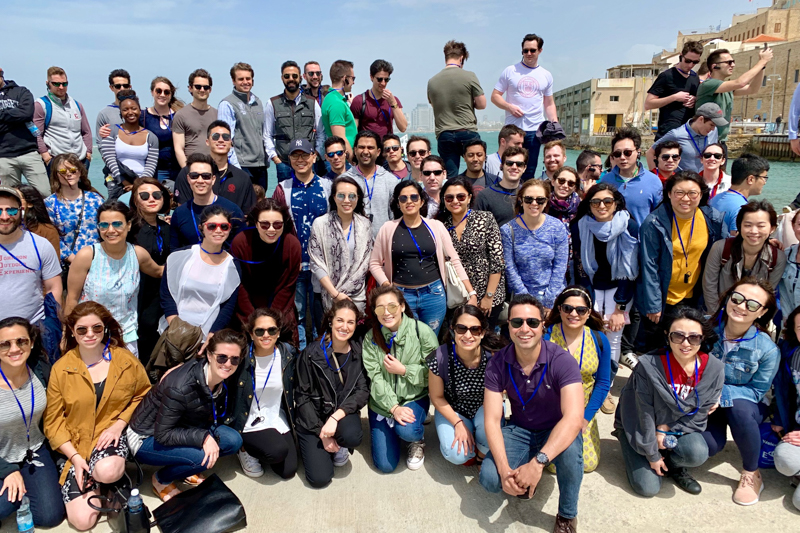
<point x="44" y="492"/>
<point x="522" y="445"/>
<point x="451" y="148"/>
<point x="532" y="145"/>
<point x="304" y="301"/>
<point x="691" y="451"/>
<point x="386" y="440"/>
<point x="317" y="461"/>
<point x="605" y="305"/>
<point x="743" y="419"/>
<point x="787" y="462"/>
<point x="446" y="433"/>
<point x="428" y="303"/>
<point x="273" y="448"/>
<point x="258" y="175"/>
<point x="180" y="462"/>
<point x="284" y="172"/>
<point x="29" y="165"/>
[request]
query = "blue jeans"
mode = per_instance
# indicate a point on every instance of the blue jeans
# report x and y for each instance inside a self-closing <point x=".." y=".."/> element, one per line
<point x="451" y="148"/>
<point x="43" y="488"/>
<point x="304" y="301"/>
<point x="532" y="145"/>
<point x="386" y="440"/>
<point x="522" y="446"/>
<point x="446" y="433"/>
<point x="284" y="171"/>
<point x="180" y="462"/>
<point x="428" y="303"/>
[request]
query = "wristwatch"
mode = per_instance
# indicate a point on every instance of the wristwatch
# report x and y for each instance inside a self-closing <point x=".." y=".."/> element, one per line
<point x="542" y="459"/>
<point x="490" y="294"/>
<point x="622" y="307"/>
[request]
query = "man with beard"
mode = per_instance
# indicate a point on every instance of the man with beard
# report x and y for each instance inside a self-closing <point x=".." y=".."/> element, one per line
<point x="376" y="182"/>
<point x="555" y="157"/>
<point x="313" y="87"/>
<point x="589" y="166"/>
<point x="289" y="116"/>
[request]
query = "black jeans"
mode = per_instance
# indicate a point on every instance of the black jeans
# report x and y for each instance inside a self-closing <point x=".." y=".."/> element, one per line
<point x="743" y="418"/>
<point x="258" y="175"/>
<point x="651" y="335"/>
<point x="317" y="461"/>
<point x="274" y="448"/>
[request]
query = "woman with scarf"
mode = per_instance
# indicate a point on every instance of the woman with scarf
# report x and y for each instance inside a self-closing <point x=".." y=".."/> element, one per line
<point x="340" y="246"/>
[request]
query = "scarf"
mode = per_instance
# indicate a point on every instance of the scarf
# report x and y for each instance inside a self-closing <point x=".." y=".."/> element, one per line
<point x="564" y="210"/>
<point x="622" y="250"/>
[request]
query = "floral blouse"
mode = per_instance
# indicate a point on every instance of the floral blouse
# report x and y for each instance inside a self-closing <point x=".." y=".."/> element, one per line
<point x="65" y="215"/>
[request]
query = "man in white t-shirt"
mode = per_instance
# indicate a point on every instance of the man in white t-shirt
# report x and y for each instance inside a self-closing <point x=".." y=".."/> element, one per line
<point x="529" y="97"/>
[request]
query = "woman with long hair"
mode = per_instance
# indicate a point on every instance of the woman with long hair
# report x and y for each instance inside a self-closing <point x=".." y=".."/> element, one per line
<point x="36" y="218"/>
<point x="158" y="119"/>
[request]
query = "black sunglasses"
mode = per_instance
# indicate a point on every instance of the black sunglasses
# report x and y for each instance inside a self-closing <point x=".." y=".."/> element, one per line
<point x="202" y="87"/>
<point x="582" y="310"/>
<point x="222" y="359"/>
<point x="381" y="80"/>
<point x="677" y="337"/>
<point x="225" y="136"/>
<point x="404" y="198"/>
<point x="157" y="195"/>
<point x="690" y="61"/>
<point x="667" y="157"/>
<point x="461" y="197"/>
<point x="540" y="200"/>
<point x="519" y="164"/>
<point x="516" y="323"/>
<point x="595" y="202"/>
<point x="271" y="331"/>
<point x="718" y="157"/>
<point x="564" y="181"/>
<point x="391" y="148"/>
<point x="61" y="83"/>
<point x="619" y="153"/>
<point x="207" y="176"/>
<point x="738" y="298"/>
<point x="119" y="86"/>
<point x="461" y="329"/>
<point x="413" y="153"/>
<point x="291" y="76"/>
<point x="314" y="74"/>
<point x="434" y="172"/>
<point x="165" y="92"/>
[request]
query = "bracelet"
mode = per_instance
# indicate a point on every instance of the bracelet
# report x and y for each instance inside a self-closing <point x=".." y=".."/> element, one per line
<point x="677" y="433"/>
<point x="473" y="293"/>
<point x="459" y="421"/>
<point x="337" y="420"/>
<point x="73" y="455"/>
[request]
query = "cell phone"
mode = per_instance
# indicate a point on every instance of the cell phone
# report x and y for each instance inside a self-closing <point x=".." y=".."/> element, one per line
<point x="765" y="46"/>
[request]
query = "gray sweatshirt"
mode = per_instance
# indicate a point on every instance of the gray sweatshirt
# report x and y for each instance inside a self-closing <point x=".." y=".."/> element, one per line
<point x="108" y="115"/>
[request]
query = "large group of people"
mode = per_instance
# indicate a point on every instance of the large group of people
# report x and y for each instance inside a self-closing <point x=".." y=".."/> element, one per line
<point x="148" y="324"/>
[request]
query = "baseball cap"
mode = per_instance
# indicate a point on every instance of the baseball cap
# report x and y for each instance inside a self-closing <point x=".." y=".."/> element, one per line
<point x="712" y="112"/>
<point x="300" y="145"/>
<point x="10" y="191"/>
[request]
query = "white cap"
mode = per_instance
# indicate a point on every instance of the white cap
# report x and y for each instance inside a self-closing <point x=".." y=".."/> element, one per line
<point x="134" y="492"/>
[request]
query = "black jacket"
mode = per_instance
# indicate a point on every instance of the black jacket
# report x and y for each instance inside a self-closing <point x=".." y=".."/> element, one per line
<point x="177" y="411"/>
<point x="242" y="397"/>
<point x="315" y="396"/>
<point x="16" y="109"/>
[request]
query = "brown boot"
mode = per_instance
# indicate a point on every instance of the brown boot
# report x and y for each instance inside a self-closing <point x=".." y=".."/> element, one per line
<point x="565" y="525"/>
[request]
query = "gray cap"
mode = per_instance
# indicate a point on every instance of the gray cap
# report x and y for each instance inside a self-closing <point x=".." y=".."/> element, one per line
<point x="712" y="112"/>
<point x="300" y="145"/>
<point x="10" y="191"/>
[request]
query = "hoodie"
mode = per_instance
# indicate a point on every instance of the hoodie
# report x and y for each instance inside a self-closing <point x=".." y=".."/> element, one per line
<point x="16" y="109"/>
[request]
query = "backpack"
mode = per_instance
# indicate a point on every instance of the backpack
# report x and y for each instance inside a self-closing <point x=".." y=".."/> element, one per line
<point x="726" y="254"/>
<point x="48" y="109"/>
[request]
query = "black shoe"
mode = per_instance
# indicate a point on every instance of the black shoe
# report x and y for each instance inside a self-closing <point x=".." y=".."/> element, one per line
<point x="684" y="480"/>
<point x="565" y="525"/>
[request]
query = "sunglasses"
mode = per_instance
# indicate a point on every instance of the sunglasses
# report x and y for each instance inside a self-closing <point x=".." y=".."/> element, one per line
<point x="199" y="87"/>
<point x="540" y="200"/>
<point x="271" y="331"/>
<point x="97" y="329"/>
<point x="60" y="83"/>
<point x="223" y="226"/>
<point x="619" y="153"/>
<point x="667" y="157"/>
<point x="165" y="92"/>
<point x="582" y="310"/>
<point x="381" y="80"/>
<point x="66" y="171"/>
<point x="434" y="172"/>
<point x="291" y="76"/>
<point x="691" y="61"/>
<point x="516" y="323"/>
<point x="350" y="196"/>
<point x="216" y="136"/>
<point x="222" y="359"/>
<point x="693" y="195"/>
<point x="394" y="148"/>
<point x="461" y="329"/>
<point x="461" y="197"/>
<point x="519" y="164"/>
<point x="595" y="167"/>
<point x="22" y="343"/>
<point x="337" y="153"/>
<point x="405" y="198"/>
<point x="677" y="337"/>
<point x="564" y="181"/>
<point x="117" y="224"/>
<point x="529" y="50"/>
<point x="119" y="86"/>
<point x="157" y="195"/>
<point x="595" y="202"/>
<point x="730" y="63"/>
<point x="392" y="308"/>
<point x="752" y="305"/>
<point x="414" y="153"/>
<point x="718" y="157"/>
<point x="10" y="211"/>
<point x="206" y="176"/>
<point x="311" y="74"/>
<point x="354" y="78"/>
<point x="265" y="224"/>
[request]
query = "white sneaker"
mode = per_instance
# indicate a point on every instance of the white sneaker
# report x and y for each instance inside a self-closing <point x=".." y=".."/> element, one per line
<point x="416" y="455"/>
<point x="250" y="465"/>
<point x="630" y="360"/>
<point x="342" y="457"/>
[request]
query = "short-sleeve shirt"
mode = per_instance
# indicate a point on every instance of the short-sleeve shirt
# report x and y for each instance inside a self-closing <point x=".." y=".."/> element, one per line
<point x="21" y="277"/>
<point x="729" y="203"/>
<point x="378" y="115"/>
<point x="504" y="373"/>
<point x="707" y="93"/>
<point x="336" y="112"/>
<point x="499" y="201"/>
<point x="193" y="124"/>
<point x="526" y="87"/>
<point x="464" y="387"/>
<point x="452" y="92"/>
<point x="673" y="114"/>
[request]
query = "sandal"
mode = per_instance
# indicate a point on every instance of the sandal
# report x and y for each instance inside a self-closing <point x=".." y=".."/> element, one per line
<point x="194" y="480"/>
<point x="167" y="493"/>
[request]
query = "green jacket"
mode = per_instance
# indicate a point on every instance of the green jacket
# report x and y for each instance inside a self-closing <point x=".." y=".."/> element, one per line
<point x="413" y="343"/>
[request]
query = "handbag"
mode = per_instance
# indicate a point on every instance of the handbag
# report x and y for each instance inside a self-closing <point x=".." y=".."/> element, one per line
<point x="457" y="293"/>
<point x="211" y="507"/>
<point x="120" y="519"/>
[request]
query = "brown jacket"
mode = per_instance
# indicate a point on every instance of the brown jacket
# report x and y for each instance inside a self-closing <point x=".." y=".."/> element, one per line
<point x="71" y="415"/>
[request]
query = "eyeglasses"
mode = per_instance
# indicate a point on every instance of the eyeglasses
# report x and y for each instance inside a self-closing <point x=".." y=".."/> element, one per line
<point x="434" y="172"/>
<point x="199" y="87"/>
<point x="223" y="226"/>
<point x="519" y="164"/>
<point x="59" y="83"/>
<point x="674" y="157"/>
<point x="10" y="211"/>
<point x="165" y="92"/>
<point x="291" y="76"/>
<point x="765" y="178"/>
<point x="540" y="200"/>
<point x="117" y="224"/>
<point x="271" y="331"/>
<point x="119" y="86"/>
<point x="337" y="153"/>
<point x="314" y="74"/>
<point x="677" y="337"/>
<point x="22" y="343"/>
<point x="381" y="80"/>
<point x="718" y="157"/>
<point x="516" y="323"/>
<point x="222" y="359"/>
<point x="225" y="136"/>
<point x="461" y="197"/>
<point x="692" y="195"/>
<point x="206" y="176"/>
<point x="394" y="148"/>
<point x="405" y="198"/>
<point x="392" y="308"/>
<point x="619" y="153"/>
<point x="265" y="224"/>
<point x="461" y="329"/>
<point x="738" y="298"/>
<point x="729" y="63"/>
<point x="414" y="153"/>
<point x="157" y="195"/>
<point x="595" y="202"/>
<point x="529" y="50"/>
<point x="97" y="329"/>
<point x="66" y="171"/>
<point x="302" y="156"/>
<point x="582" y="310"/>
<point x="350" y="196"/>
<point x="564" y="181"/>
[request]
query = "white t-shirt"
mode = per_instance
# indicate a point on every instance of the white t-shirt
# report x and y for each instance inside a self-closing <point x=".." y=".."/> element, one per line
<point x="526" y="87"/>
<point x="267" y="410"/>
<point x="21" y="287"/>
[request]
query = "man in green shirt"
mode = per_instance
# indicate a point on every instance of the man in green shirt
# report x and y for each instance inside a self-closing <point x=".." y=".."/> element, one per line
<point x="337" y="119"/>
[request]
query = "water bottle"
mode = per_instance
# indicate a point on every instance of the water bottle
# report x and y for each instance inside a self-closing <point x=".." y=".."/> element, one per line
<point x="32" y="128"/>
<point x="25" y="517"/>
<point x="135" y="503"/>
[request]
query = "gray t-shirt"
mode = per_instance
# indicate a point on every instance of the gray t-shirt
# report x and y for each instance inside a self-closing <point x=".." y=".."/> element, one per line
<point x="21" y="286"/>
<point x="451" y="92"/>
<point x="13" y="437"/>
<point x="499" y="201"/>
<point x="193" y="124"/>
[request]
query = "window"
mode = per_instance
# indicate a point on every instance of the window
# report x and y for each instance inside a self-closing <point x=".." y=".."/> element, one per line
<point x="764" y="81"/>
<point x="758" y="104"/>
<point x="614" y="98"/>
<point x="796" y="76"/>
<point x="764" y="28"/>
<point x="777" y="27"/>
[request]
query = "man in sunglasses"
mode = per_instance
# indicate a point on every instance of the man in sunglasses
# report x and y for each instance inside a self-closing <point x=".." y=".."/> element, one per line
<point x="667" y="157"/>
<point x="377" y="108"/>
<point x="509" y="135"/>
<point x="543" y="384"/>
<point x="244" y="113"/>
<point x="500" y="197"/>
<point x="118" y="79"/>
<point x="335" y="156"/>
<point x="336" y="115"/>
<point x="313" y="87"/>
<point x="18" y="149"/>
<point x="675" y="90"/>
<point x="693" y="137"/>
<point x="589" y="166"/>
<point x="376" y="182"/>
<point x="191" y="123"/>
<point x="288" y="116"/>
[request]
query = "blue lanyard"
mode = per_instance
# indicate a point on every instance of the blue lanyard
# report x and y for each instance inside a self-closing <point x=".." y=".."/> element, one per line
<point x="419" y="251"/>
<point x="737" y="341"/>
<point x="159" y="240"/>
<point x="680" y="238"/>
<point x="691" y="138"/>
<point x="214" y="407"/>
<point x="460" y="221"/>
<point x="737" y="192"/>
<point x="583" y="343"/>
<point x="525" y="402"/>
<point x="325" y="352"/>
<point x="349" y="231"/>
<point x="277" y="245"/>
<point x="106" y="355"/>
<point x="391" y="341"/>
<point x="19" y="260"/>
<point x="194" y="220"/>
<point x="501" y="192"/>
<point x="28" y="422"/>
<point x="674" y="393"/>
<point x="380" y="108"/>
<point x="366" y="181"/>
<point x="253" y="374"/>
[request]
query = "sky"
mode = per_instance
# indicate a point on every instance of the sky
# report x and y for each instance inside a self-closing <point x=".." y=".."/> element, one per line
<point x="149" y="38"/>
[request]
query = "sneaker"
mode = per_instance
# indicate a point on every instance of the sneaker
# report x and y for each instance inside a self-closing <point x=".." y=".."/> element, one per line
<point x="609" y="405"/>
<point x="565" y="525"/>
<point x="684" y="480"/>
<point x="630" y="360"/>
<point x="342" y="457"/>
<point x="750" y="487"/>
<point x="416" y="455"/>
<point x="250" y="465"/>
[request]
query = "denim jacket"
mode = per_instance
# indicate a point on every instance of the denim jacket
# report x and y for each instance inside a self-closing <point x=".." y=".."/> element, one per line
<point x="786" y="389"/>
<point x="750" y="367"/>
